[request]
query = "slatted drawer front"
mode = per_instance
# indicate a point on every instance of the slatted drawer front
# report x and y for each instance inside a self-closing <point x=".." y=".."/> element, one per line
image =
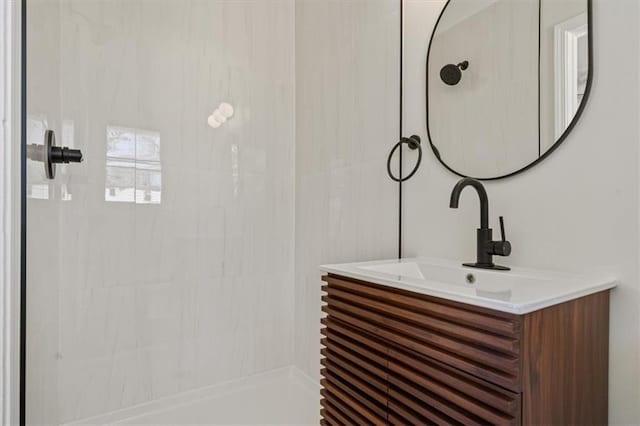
<point x="398" y="358"/>
<point x="483" y="343"/>
<point x="354" y="376"/>
<point x="423" y="391"/>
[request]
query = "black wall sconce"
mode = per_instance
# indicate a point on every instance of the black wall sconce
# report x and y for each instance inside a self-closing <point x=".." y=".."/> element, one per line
<point x="452" y="74"/>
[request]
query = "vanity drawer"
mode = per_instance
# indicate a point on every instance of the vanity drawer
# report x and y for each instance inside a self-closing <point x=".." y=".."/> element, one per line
<point x="354" y="376"/>
<point x="423" y="390"/>
<point x="478" y="341"/>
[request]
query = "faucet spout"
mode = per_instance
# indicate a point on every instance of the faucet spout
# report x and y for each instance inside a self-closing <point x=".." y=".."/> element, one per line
<point x="482" y="193"/>
<point x="486" y="247"/>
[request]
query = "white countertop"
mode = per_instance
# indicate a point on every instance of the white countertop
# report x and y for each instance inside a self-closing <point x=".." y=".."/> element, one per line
<point x="518" y="291"/>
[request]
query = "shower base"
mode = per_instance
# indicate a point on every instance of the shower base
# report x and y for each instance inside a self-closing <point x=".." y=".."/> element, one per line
<point x="284" y="396"/>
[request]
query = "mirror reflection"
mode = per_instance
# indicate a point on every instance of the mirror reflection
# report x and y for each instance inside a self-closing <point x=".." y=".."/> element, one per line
<point x="505" y="82"/>
<point x="133" y="171"/>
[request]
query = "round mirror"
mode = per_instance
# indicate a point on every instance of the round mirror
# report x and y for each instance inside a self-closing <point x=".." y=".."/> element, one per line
<point x="506" y="82"/>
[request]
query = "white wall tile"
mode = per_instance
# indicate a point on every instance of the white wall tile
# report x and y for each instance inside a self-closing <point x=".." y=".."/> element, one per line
<point x="132" y="302"/>
<point x="347" y="115"/>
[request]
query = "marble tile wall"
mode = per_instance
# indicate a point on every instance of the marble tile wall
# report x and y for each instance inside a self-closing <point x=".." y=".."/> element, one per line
<point x="43" y="217"/>
<point x="347" y="91"/>
<point x="143" y="284"/>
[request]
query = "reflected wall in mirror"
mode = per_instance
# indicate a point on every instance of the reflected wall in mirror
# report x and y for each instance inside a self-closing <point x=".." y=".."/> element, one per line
<point x="506" y="82"/>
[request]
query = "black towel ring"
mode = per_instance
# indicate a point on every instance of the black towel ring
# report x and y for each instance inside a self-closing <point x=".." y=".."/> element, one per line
<point x="413" y="142"/>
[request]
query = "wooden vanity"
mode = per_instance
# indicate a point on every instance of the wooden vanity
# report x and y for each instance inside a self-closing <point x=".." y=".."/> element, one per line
<point x="393" y="356"/>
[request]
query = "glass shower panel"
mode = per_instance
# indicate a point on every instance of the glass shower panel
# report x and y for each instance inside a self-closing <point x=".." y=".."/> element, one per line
<point x="163" y="262"/>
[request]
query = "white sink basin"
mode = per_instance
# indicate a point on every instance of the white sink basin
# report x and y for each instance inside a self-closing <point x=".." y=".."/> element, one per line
<point x="517" y="291"/>
<point x="452" y="274"/>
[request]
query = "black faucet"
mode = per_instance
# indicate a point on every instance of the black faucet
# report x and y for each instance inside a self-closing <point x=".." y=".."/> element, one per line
<point x="487" y="248"/>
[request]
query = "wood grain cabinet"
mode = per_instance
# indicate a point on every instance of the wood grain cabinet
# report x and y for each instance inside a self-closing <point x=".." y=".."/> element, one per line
<point x="396" y="357"/>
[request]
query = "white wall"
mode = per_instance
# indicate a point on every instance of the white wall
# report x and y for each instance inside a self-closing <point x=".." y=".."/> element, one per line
<point x="347" y="91"/>
<point x="133" y="302"/>
<point x="577" y="211"/>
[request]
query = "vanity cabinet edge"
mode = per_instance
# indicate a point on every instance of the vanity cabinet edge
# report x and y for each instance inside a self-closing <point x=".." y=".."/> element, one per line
<point x="565" y="361"/>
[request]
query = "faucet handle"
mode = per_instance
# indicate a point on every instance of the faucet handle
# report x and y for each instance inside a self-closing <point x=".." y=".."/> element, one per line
<point x="503" y="247"/>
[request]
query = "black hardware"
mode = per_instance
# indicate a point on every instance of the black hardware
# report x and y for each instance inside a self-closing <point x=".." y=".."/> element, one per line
<point x="503" y="247"/>
<point x="486" y="247"/>
<point x="400" y="122"/>
<point x="452" y="74"/>
<point x="23" y="215"/>
<point x="413" y="143"/>
<point x="50" y="154"/>
<point x="62" y="154"/>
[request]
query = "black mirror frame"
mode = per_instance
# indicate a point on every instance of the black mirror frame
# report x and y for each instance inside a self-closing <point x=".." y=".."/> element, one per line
<point x="564" y="135"/>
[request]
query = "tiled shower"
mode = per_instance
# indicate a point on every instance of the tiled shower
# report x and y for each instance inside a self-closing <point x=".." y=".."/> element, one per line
<point x="178" y="262"/>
